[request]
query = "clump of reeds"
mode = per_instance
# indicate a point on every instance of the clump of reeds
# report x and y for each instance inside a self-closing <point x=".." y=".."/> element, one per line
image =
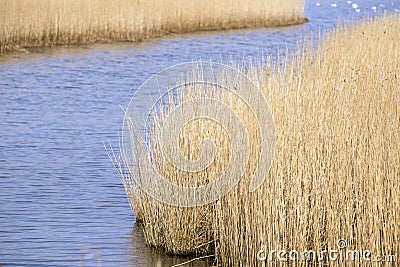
<point x="27" y="23"/>
<point x="336" y="170"/>
<point x="185" y="230"/>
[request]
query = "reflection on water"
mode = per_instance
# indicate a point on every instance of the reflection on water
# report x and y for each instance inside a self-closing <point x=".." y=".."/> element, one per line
<point x="61" y="204"/>
<point x="145" y="256"/>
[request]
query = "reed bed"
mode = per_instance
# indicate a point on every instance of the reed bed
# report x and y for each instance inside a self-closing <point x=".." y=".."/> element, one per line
<point x="336" y="170"/>
<point x="33" y="23"/>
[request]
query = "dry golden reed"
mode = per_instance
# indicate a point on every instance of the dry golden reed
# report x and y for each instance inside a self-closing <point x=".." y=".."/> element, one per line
<point x="336" y="170"/>
<point x="32" y="23"/>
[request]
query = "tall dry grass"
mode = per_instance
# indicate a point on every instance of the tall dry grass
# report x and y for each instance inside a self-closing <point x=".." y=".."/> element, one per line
<point x="31" y="23"/>
<point x="336" y="170"/>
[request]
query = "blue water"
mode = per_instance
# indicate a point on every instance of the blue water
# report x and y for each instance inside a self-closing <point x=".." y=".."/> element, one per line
<point x="61" y="203"/>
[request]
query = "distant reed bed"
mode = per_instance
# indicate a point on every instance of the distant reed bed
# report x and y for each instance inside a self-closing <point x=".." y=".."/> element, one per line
<point x="336" y="171"/>
<point x="32" y="23"/>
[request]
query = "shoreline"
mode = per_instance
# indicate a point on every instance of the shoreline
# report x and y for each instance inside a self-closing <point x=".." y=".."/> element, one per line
<point x="28" y="49"/>
<point x="46" y="23"/>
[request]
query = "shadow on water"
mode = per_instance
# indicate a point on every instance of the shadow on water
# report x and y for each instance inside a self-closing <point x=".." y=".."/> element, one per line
<point x="142" y="255"/>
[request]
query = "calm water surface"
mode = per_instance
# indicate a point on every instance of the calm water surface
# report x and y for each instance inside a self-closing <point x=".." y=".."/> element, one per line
<point x="61" y="203"/>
